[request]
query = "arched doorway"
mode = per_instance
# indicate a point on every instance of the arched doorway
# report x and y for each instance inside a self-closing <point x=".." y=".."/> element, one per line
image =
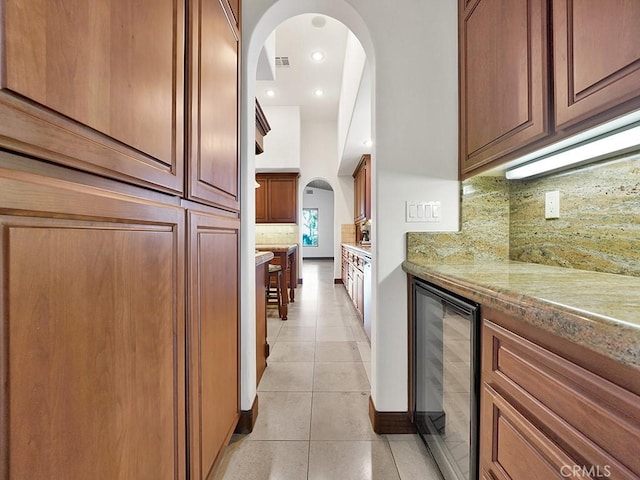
<point x="414" y="117"/>
<point x="317" y="226"/>
<point x="261" y="28"/>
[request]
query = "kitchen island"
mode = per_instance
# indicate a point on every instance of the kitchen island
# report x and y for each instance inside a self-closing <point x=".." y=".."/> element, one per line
<point x="287" y="257"/>
<point x="262" y="346"/>
<point x="560" y="377"/>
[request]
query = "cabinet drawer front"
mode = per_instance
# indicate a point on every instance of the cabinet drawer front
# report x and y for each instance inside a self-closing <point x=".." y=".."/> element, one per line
<point x="593" y="418"/>
<point x="511" y="447"/>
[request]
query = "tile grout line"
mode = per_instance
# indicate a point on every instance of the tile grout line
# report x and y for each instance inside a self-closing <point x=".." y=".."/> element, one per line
<point x="313" y="376"/>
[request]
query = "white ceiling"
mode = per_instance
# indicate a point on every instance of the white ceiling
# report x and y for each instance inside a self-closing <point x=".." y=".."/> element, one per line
<point x="297" y="38"/>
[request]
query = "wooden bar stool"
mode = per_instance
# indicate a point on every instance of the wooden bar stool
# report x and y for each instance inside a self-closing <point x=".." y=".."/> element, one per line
<point x="276" y="293"/>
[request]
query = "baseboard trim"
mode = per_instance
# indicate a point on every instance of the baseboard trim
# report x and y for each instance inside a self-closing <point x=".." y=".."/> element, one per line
<point x="389" y="423"/>
<point x="338" y="281"/>
<point x="247" y="419"/>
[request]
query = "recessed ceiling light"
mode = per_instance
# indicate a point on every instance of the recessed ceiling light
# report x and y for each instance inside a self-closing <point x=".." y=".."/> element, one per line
<point x="318" y="21"/>
<point x="368" y="142"/>
<point x="317" y="56"/>
<point x="270" y="93"/>
<point x="318" y="92"/>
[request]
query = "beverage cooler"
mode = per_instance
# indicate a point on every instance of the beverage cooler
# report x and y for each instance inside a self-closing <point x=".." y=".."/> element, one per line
<point x="446" y="378"/>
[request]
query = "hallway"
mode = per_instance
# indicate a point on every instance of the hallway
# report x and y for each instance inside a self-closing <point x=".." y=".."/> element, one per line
<point x="313" y="418"/>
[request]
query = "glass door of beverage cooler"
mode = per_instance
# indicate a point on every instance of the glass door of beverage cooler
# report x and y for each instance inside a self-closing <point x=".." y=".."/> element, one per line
<point x="446" y="379"/>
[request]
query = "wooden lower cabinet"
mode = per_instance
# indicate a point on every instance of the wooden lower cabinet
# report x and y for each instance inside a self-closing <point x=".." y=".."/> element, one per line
<point x="92" y="341"/>
<point x="353" y="277"/>
<point x="345" y="267"/>
<point x="552" y="409"/>
<point x="262" y="346"/>
<point x="213" y="336"/>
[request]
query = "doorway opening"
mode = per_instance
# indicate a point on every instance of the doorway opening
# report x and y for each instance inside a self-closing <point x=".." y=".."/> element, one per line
<point x="313" y="84"/>
<point x="317" y="226"/>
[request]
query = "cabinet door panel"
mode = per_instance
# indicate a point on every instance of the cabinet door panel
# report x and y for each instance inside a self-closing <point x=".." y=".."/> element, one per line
<point x="283" y="200"/>
<point x="213" y="171"/>
<point x="97" y="86"/>
<point x="213" y="337"/>
<point x="235" y="9"/>
<point x="367" y="188"/>
<point x="596" y="58"/>
<point x="277" y="198"/>
<point x="503" y="79"/>
<point x="261" y="200"/>
<point x="92" y="337"/>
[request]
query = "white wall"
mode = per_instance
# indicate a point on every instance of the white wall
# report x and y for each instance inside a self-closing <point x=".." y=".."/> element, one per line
<point x="414" y="109"/>
<point x="323" y="201"/>
<point x="319" y="161"/>
<point x="354" y="61"/>
<point x="282" y="143"/>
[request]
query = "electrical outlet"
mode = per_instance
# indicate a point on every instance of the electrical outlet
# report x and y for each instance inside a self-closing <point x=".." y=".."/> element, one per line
<point x="552" y="204"/>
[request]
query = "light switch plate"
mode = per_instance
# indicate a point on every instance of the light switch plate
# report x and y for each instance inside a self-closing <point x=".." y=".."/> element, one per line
<point x="422" y="212"/>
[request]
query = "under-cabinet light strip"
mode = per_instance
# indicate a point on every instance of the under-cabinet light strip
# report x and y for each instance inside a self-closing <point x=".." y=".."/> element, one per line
<point x="617" y="141"/>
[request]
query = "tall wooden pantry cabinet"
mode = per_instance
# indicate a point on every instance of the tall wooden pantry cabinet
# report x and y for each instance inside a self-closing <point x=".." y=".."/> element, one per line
<point x="119" y="218"/>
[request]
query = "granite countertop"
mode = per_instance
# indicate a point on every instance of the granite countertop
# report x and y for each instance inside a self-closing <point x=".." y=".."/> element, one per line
<point x="600" y="311"/>
<point x="364" y="249"/>
<point x="277" y="248"/>
<point x="263" y="257"/>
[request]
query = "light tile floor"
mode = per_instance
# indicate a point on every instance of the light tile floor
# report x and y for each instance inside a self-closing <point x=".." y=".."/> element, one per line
<point x="313" y="420"/>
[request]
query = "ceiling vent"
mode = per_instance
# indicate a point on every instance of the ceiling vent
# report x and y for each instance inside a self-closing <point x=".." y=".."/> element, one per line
<point x="282" y="62"/>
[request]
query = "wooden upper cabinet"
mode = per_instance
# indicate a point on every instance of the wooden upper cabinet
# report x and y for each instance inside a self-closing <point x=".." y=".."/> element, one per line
<point x="262" y="128"/>
<point x="503" y="78"/>
<point x="213" y="175"/>
<point x="596" y="58"/>
<point x="261" y="200"/>
<point x="93" y="338"/>
<point x="213" y="336"/>
<point x="277" y="198"/>
<point x="362" y="189"/>
<point x="97" y="86"/>
<point x="283" y="194"/>
<point x="506" y="98"/>
<point x="235" y="9"/>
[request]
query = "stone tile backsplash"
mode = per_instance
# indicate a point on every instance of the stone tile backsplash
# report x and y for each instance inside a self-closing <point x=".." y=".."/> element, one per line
<point x="277" y="234"/>
<point x="484" y="227"/>
<point x="599" y="224"/>
<point x="598" y="228"/>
